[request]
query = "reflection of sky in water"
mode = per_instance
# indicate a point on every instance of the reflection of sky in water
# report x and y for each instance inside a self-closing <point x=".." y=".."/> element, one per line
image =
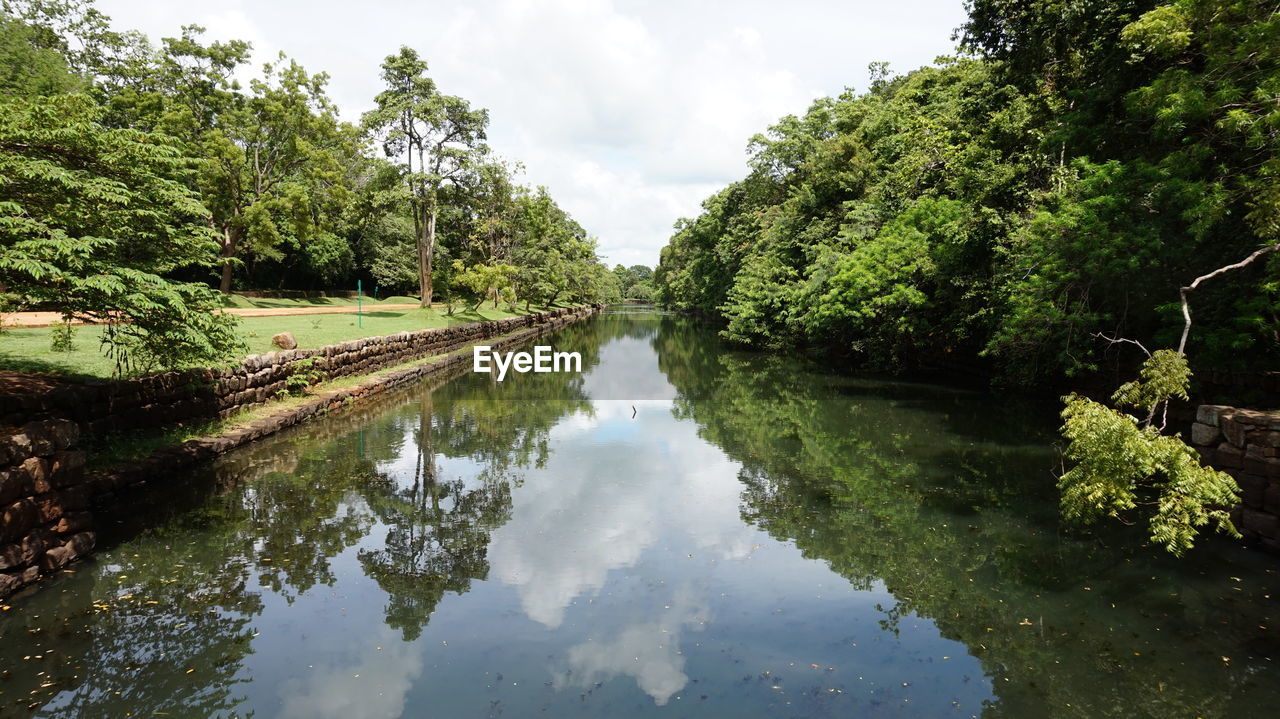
<point x="624" y="558"/>
<point x="613" y="501"/>
<point x="628" y="370"/>
<point x="624" y="563"/>
<point x="624" y="582"/>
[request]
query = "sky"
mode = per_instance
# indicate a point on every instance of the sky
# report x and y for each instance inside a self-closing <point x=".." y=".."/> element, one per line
<point x="631" y="113"/>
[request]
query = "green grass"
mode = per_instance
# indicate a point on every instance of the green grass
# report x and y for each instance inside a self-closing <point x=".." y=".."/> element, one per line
<point x="27" y="349"/>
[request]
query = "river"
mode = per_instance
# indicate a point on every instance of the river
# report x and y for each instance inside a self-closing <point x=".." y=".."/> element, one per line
<point x="680" y="530"/>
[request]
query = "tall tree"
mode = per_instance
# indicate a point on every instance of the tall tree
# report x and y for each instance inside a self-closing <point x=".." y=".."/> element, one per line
<point x="93" y="219"/>
<point x="436" y="136"/>
<point x="270" y="161"/>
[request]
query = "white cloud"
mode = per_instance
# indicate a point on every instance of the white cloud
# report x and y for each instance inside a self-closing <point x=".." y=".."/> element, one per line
<point x="630" y="111"/>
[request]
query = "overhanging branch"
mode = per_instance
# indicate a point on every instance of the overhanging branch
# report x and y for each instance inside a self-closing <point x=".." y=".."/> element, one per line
<point x="1185" y="291"/>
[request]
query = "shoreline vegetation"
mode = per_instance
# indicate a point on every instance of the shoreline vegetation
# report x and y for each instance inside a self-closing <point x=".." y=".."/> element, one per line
<point x="29" y="349"/>
<point x="141" y="182"/>
<point x="1043" y="203"/>
<point x="1034" y="203"/>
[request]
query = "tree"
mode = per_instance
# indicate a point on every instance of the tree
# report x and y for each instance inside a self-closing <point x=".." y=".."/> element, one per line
<point x="271" y="161"/>
<point x="26" y="68"/>
<point x="629" y="277"/>
<point x="484" y="280"/>
<point x="1000" y="209"/>
<point x="93" y="219"/>
<point x="1117" y="456"/>
<point x="493" y="200"/>
<point x="1121" y="461"/>
<point x="641" y="291"/>
<point x="540" y="256"/>
<point x="437" y="134"/>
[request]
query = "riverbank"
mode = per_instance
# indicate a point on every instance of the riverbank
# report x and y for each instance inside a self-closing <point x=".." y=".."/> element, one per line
<point x="29" y="350"/>
<point x="48" y="498"/>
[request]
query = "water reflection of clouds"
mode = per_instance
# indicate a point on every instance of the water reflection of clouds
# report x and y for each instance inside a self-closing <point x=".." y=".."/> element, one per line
<point x="373" y="687"/>
<point x="600" y="509"/>
<point x="628" y="371"/>
<point x="647" y="651"/>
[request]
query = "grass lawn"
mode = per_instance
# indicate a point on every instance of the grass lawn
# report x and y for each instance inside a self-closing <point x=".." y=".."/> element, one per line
<point x="27" y="350"/>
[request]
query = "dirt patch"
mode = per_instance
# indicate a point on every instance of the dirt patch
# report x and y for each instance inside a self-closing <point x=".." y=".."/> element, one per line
<point x="26" y="383"/>
<point x="44" y="319"/>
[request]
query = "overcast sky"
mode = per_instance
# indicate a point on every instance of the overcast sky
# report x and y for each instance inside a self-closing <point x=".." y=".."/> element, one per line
<point x="630" y="112"/>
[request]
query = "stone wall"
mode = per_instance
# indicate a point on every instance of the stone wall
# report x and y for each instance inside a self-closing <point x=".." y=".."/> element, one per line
<point x="47" y="501"/>
<point x="44" y="501"/>
<point x="105" y="407"/>
<point x="1246" y="445"/>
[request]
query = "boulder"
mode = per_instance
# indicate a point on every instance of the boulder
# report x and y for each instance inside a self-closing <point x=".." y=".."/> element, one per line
<point x="9" y="584"/>
<point x="285" y="341"/>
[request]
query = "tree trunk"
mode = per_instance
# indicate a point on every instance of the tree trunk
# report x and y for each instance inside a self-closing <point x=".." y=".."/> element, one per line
<point x="230" y="240"/>
<point x="427" y="255"/>
<point x="424" y="267"/>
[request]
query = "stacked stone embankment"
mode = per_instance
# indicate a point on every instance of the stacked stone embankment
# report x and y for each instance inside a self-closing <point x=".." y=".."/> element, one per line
<point x="1246" y="445"/>
<point x="105" y="407"/>
<point x="44" y="501"/>
<point x="48" y="501"/>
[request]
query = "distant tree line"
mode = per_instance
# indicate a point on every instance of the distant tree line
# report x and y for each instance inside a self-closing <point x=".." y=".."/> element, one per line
<point x="133" y="176"/>
<point x="635" y="282"/>
<point x="1022" y="204"/>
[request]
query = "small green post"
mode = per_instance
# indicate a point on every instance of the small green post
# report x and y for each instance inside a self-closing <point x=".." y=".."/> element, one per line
<point x="359" y="305"/>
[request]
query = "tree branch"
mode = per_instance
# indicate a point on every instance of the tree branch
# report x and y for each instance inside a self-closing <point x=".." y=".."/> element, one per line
<point x="1186" y="304"/>
<point x="1117" y="340"/>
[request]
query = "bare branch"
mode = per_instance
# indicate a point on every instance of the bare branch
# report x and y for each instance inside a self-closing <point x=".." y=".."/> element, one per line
<point x="1186" y="304"/>
<point x="1117" y="340"/>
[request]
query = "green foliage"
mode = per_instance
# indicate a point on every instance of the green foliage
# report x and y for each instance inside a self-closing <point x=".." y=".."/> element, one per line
<point x="641" y="292"/>
<point x="1164" y="376"/>
<point x="92" y="219"/>
<point x="484" y="281"/>
<point x="1015" y="203"/>
<point x="302" y="374"/>
<point x="62" y="336"/>
<point x="1118" y="461"/>
<point x="629" y="277"/>
<point x="271" y="160"/>
<point x="26" y="69"/>
<point x="128" y="171"/>
<point x="1163" y="31"/>
<point x="413" y="120"/>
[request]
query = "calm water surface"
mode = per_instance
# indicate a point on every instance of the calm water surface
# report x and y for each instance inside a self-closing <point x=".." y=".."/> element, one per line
<point x="680" y="531"/>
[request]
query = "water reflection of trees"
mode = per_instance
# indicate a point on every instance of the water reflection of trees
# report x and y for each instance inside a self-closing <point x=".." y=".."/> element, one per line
<point x="946" y="498"/>
<point x="164" y="622"/>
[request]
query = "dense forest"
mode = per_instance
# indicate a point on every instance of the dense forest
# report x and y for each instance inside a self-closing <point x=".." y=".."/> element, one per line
<point x="1032" y="205"/>
<point x="135" y="177"/>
